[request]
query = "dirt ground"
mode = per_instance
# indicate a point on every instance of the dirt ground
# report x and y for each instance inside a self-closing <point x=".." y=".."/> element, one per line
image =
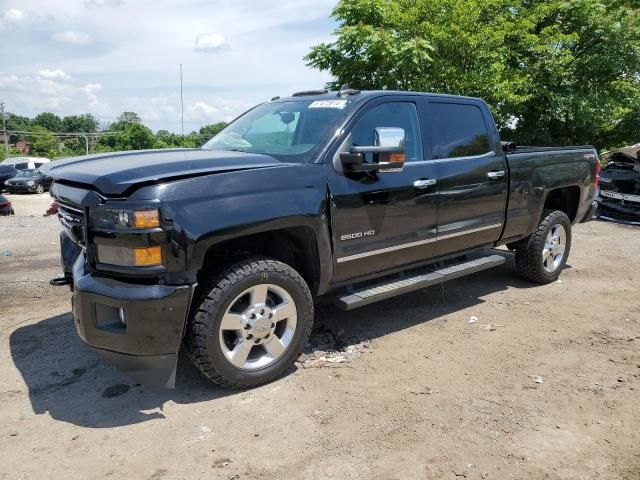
<point x="551" y="390"/>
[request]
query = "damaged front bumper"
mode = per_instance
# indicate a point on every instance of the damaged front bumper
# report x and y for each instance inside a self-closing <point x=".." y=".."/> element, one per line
<point x="136" y="327"/>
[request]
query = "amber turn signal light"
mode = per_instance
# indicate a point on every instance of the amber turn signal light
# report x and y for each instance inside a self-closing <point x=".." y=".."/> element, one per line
<point x="148" y="256"/>
<point x="146" y="219"/>
<point x="396" y="158"/>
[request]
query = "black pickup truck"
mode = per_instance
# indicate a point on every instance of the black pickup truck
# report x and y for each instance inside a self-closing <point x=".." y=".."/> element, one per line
<point x="357" y="195"/>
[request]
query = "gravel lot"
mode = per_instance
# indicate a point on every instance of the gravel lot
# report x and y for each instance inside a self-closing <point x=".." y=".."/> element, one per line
<point x="551" y="390"/>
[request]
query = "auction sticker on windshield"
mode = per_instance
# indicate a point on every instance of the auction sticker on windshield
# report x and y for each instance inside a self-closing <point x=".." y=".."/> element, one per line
<point x="339" y="104"/>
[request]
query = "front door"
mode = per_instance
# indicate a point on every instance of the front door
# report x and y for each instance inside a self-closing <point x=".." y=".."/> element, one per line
<point x="473" y="175"/>
<point x="382" y="220"/>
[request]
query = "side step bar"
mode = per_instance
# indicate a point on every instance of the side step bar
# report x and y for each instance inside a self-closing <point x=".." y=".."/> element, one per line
<point x="413" y="281"/>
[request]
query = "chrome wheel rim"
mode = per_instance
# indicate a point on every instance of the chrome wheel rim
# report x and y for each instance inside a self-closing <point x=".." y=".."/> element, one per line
<point x="258" y="326"/>
<point x="40" y="189"/>
<point x="554" y="248"/>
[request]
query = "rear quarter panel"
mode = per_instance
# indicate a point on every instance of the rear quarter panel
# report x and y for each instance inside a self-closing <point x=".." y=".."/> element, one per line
<point x="534" y="174"/>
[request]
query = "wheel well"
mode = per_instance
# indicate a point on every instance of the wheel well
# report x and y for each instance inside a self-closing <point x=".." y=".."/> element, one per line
<point x="295" y="246"/>
<point x="565" y="199"/>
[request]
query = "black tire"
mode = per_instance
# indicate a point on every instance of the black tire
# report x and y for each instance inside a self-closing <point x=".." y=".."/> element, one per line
<point x="202" y="336"/>
<point x="529" y="251"/>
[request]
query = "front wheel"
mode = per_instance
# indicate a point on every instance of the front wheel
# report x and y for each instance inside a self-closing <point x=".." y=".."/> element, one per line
<point x="541" y="257"/>
<point x="40" y="188"/>
<point x="252" y="324"/>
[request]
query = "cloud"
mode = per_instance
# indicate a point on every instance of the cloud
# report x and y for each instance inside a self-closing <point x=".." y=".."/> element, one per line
<point x="72" y="37"/>
<point x="103" y="3"/>
<point x="50" y="89"/>
<point x="12" y="82"/>
<point x="12" y="18"/>
<point x="214" y="111"/>
<point x="90" y="89"/>
<point x="201" y="111"/>
<point x="54" y="74"/>
<point x="210" y="42"/>
<point x="224" y="72"/>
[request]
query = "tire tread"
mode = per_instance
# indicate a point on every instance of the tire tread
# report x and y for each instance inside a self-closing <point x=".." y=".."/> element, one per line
<point x="528" y="260"/>
<point x="214" y="290"/>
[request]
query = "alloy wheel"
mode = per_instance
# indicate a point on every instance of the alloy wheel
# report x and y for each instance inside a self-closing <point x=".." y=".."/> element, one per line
<point x="554" y="248"/>
<point x="258" y="326"/>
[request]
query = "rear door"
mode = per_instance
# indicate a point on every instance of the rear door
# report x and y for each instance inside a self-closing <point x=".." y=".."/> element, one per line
<point x="382" y="220"/>
<point x="473" y="174"/>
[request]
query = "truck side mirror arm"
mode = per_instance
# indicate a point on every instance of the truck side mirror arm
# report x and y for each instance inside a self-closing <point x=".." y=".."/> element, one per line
<point x="388" y="152"/>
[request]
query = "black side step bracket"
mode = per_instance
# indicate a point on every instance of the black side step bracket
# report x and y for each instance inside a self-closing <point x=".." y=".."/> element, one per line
<point x="413" y="281"/>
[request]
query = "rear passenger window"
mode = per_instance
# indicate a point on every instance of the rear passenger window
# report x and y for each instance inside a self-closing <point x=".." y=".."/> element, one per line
<point x="459" y="130"/>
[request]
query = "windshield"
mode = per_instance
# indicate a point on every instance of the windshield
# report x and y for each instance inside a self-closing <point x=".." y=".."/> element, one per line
<point x="27" y="173"/>
<point x="288" y="131"/>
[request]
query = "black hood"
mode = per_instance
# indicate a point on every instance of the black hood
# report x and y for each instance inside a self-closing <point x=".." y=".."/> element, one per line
<point x="115" y="173"/>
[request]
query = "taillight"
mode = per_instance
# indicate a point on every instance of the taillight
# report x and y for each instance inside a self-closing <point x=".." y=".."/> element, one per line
<point x="7" y="204"/>
<point x="596" y="180"/>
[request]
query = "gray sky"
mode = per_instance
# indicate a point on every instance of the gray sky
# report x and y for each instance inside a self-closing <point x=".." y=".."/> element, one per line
<point x="107" y="56"/>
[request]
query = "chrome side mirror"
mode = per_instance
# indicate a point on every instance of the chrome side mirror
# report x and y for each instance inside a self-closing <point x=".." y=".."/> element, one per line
<point x="388" y="152"/>
<point x="392" y="138"/>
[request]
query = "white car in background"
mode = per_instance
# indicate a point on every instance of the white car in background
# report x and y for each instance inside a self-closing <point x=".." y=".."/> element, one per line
<point x="25" y="163"/>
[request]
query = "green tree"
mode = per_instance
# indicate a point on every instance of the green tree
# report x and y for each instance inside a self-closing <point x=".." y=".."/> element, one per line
<point x="558" y="71"/>
<point x="209" y="131"/>
<point x="124" y="120"/>
<point x="134" y="137"/>
<point x="17" y="122"/>
<point x="48" y="120"/>
<point x="44" y="143"/>
<point x="85" y="123"/>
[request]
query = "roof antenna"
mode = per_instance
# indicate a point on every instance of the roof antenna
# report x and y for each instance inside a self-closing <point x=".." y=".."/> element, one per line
<point x="346" y="90"/>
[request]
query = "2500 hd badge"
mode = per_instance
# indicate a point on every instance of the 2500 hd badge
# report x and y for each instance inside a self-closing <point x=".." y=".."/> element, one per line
<point x="353" y="236"/>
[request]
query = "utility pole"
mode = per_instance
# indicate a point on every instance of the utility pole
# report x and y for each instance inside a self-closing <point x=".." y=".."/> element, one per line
<point x="4" y="129"/>
<point x="181" y="103"/>
<point x="86" y="141"/>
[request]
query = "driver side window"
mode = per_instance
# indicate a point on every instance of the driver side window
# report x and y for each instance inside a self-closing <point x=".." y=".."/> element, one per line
<point x="394" y="114"/>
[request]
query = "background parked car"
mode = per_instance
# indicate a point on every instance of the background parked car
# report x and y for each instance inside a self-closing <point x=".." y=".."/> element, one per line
<point x="25" y="163"/>
<point x="620" y="185"/>
<point x="6" y="172"/>
<point x="33" y="181"/>
<point x="5" y="206"/>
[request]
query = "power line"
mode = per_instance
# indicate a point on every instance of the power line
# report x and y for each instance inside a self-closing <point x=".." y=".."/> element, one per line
<point x="61" y="134"/>
<point x="80" y="134"/>
<point x="114" y="119"/>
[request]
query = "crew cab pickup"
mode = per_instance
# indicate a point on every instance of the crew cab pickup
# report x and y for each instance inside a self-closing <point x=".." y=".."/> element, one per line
<point x="355" y="195"/>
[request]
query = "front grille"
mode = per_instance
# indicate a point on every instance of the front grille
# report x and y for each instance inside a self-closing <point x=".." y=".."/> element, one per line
<point x="73" y="220"/>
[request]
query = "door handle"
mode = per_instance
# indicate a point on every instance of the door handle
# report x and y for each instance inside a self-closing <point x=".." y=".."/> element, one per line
<point x="495" y="174"/>
<point x="425" y="183"/>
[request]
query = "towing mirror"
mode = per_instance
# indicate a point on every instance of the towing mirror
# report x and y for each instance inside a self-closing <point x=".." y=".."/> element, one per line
<point x="388" y="152"/>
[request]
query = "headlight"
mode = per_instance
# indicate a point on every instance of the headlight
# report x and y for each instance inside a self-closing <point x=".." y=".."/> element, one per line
<point x="31" y="183"/>
<point x="111" y="218"/>
<point x="130" y="256"/>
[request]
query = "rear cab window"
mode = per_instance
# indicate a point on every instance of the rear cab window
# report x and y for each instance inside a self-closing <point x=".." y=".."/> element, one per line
<point x="459" y="130"/>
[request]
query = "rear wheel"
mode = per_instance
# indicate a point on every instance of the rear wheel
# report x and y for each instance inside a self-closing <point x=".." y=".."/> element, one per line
<point x="252" y="324"/>
<point x="541" y="257"/>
